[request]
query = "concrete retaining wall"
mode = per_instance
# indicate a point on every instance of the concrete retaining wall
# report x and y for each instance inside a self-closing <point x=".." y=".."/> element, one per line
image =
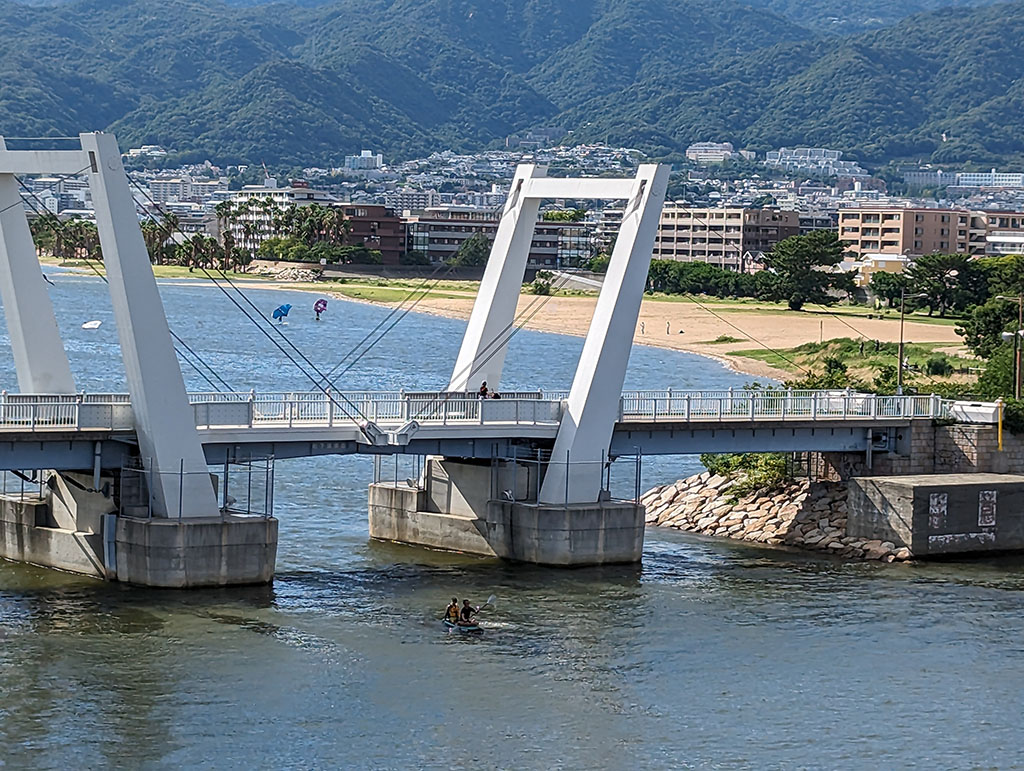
<point x="27" y="535"/>
<point x="936" y="514"/>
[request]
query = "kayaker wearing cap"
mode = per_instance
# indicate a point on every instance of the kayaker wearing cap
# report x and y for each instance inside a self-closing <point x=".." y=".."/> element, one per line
<point x="451" y="613"/>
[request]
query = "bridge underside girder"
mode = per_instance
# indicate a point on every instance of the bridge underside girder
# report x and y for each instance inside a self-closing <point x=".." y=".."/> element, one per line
<point x="76" y="451"/>
<point x="663" y="440"/>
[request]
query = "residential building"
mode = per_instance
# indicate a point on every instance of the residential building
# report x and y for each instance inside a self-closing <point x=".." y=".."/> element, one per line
<point x="365" y="161"/>
<point x="989" y="179"/>
<point x="911" y="232"/>
<point x="996" y="233"/>
<point x="710" y="152"/>
<point x="823" y="220"/>
<point x="440" y="230"/>
<point x="377" y="228"/>
<point x="865" y="267"/>
<point x="410" y="199"/>
<point x="731" y="238"/>
<point x="813" y="160"/>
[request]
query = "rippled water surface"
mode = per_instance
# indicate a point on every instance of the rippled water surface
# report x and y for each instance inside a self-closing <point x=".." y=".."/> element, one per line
<point x="709" y="655"/>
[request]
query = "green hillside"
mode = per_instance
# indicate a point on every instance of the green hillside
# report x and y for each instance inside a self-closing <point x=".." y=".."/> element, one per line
<point x="310" y="83"/>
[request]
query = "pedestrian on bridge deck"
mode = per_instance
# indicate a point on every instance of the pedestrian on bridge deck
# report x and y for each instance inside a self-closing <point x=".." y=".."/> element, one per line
<point x="482" y="393"/>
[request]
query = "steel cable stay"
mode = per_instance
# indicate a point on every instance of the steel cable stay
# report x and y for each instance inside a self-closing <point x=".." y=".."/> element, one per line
<point x="314" y="380"/>
<point x="185" y="345"/>
<point x="390" y="314"/>
<point x="60" y="178"/>
<point x="443" y="398"/>
<point x="867" y="337"/>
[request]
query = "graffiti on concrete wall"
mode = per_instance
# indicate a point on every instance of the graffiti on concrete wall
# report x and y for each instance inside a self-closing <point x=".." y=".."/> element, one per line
<point x="961" y="539"/>
<point x="938" y="504"/>
<point x="987" y="508"/>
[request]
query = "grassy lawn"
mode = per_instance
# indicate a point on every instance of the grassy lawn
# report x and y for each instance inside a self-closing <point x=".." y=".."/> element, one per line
<point x="750" y="305"/>
<point x="864" y="365"/>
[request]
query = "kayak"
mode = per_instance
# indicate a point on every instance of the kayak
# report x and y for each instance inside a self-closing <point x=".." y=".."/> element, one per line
<point x="463" y="628"/>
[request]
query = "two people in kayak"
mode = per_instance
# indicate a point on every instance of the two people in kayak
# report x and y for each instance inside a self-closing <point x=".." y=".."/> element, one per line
<point x="462" y="616"/>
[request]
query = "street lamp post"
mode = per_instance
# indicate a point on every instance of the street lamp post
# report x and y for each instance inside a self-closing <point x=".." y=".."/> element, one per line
<point x="1016" y="341"/>
<point x="899" y="364"/>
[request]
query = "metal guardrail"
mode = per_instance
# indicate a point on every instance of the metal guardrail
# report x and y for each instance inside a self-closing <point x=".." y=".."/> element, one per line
<point x="77" y="412"/>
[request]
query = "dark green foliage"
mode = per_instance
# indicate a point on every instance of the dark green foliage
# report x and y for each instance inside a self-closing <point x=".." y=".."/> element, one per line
<point x="938" y="364"/>
<point x="950" y="282"/>
<point x="997" y="379"/>
<point x="981" y="330"/>
<point x="414" y="257"/>
<point x="802" y="267"/>
<point x="888" y="286"/>
<point x="472" y="252"/>
<point x="753" y="471"/>
<point x="297" y="85"/>
<point x="1013" y="416"/>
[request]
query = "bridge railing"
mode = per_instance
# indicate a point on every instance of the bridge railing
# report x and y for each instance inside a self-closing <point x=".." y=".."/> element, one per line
<point x="689" y="406"/>
<point x="109" y="412"/>
<point x="346" y="408"/>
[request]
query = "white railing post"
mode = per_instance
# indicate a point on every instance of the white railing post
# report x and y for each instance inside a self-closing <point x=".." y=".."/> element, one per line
<point x="654" y="410"/>
<point x="753" y="401"/>
<point x="785" y="402"/>
<point x="814" y="405"/>
<point x="330" y="409"/>
<point x="874" y="406"/>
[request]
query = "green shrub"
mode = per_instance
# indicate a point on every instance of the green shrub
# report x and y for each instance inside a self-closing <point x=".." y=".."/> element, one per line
<point x="938" y="364"/>
<point x="752" y="470"/>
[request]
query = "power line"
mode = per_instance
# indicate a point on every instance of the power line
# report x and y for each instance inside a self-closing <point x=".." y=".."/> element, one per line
<point x="752" y="337"/>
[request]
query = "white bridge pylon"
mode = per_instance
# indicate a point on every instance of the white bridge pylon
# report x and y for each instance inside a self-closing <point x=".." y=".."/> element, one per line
<point x="585" y="432"/>
<point x="168" y="441"/>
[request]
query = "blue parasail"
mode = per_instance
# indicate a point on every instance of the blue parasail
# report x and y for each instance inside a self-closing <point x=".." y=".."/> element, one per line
<point x="281" y="311"/>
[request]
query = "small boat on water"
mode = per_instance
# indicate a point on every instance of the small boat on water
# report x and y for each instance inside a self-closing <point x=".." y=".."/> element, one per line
<point x="463" y="628"/>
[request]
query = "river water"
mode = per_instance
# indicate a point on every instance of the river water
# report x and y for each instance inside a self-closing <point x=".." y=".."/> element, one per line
<point x="709" y="655"/>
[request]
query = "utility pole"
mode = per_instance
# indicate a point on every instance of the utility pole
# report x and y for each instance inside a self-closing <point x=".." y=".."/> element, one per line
<point x="899" y="364"/>
<point x="1016" y="342"/>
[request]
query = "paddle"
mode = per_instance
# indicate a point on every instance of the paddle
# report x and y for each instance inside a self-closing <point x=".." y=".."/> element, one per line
<point x="490" y="601"/>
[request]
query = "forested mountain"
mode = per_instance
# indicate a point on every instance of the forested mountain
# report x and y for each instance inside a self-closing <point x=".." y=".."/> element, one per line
<point x="310" y="83"/>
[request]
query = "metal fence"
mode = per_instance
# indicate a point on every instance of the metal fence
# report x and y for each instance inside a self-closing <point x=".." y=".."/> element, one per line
<point x="77" y="412"/>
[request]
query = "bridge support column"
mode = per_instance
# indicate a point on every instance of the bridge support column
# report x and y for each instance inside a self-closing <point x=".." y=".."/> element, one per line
<point x="39" y="357"/>
<point x="464" y="507"/>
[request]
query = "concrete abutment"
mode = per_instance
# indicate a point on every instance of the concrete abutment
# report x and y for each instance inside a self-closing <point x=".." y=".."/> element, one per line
<point x="72" y="527"/>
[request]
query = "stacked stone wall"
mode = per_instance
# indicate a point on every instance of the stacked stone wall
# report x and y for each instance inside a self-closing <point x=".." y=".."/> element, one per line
<point x="803" y="514"/>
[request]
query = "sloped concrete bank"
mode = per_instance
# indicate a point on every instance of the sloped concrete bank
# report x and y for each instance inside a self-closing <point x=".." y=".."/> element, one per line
<point x="803" y="514"/>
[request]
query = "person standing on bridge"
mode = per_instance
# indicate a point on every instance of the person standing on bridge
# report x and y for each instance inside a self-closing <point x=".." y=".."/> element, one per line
<point x="482" y="393"/>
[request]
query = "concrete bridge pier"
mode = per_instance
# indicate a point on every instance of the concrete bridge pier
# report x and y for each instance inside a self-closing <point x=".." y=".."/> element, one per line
<point x="185" y="539"/>
<point x="490" y="508"/>
<point x="70" y="521"/>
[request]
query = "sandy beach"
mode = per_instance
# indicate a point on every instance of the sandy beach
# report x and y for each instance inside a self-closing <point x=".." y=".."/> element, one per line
<point x="687" y="326"/>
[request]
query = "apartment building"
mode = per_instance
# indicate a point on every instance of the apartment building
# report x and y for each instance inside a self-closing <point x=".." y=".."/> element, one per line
<point x="730" y="238"/>
<point x="904" y="231"/>
<point x="710" y="152"/>
<point x="377" y="228"/>
<point x="410" y="199"/>
<point x="995" y="233"/>
<point x="439" y="231"/>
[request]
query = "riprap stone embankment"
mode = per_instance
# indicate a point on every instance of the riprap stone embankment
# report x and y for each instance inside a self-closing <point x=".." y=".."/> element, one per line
<point x="803" y="514"/>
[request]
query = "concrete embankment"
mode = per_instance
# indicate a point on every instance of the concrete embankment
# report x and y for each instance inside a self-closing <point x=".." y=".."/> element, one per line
<point x="802" y="514"/>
